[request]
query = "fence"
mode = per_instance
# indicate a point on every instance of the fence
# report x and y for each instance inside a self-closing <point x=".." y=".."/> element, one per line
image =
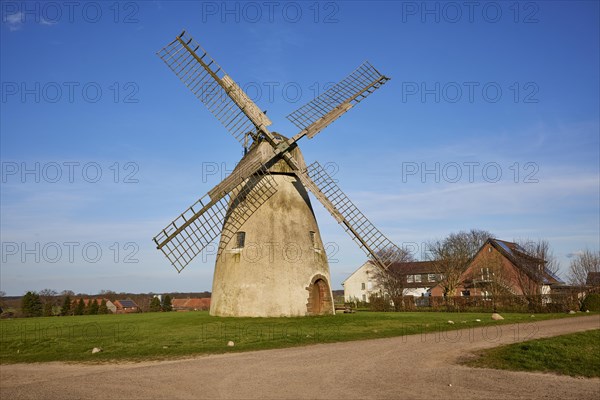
<point x="562" y="302"/>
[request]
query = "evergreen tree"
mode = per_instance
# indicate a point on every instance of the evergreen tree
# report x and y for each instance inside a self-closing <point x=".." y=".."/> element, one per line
<point x="48" y="309"/>
<point x="66" y="307"/>
<point x="80" y="307"/>
<point x="93" y="309"/>
<point x="26" y="304"/>
<point x="103" y="309"/>
<point x="31" y="305"/>
<point x="155" y="304"/>
<point x="167" y="306"/>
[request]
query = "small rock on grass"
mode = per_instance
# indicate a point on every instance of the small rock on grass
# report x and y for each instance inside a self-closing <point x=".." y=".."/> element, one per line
<point x="572" y="312"/>
<point x="497" y="317"/>
<point x="451" y="322"/>
<point x="477" y="320"/>
<point x="230" y="344"/>
<point x="96" y="350"/>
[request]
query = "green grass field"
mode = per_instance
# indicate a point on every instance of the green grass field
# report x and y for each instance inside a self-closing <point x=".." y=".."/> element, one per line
<point x="577" y="354"/>
<point x="136" y="337"/>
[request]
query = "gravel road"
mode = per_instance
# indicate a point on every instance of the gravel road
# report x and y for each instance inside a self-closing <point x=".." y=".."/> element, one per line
<point x="410" y="367"/>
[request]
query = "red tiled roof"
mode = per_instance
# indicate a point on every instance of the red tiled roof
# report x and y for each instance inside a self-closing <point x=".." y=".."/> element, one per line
<point x="413" y="267"/>
<point x="191" y="304"/>
<point x="87" y="301"/>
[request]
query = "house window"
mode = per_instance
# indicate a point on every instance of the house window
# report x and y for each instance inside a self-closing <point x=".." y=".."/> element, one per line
<point x="410" y="278"/>
<point x="240" y="240"/>
<point x="364" y="297"/>
<point x="369" y="285"/>
<point x="313" y="239"/>
<point x="485" y="274"/>
<point x="418" y="278"/>
<point x="362" y="286"/>
<point x="431" y="277"/>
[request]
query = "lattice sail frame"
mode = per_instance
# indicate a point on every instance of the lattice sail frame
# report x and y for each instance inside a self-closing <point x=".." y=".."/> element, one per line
<point x="213" y="87"/>
<point x="199" y="225"/>
<point x="355" y="223"/>
<point x="317" y="114"/>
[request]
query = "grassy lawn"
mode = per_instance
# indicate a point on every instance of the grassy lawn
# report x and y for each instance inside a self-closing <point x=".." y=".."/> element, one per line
<point x="577" y="354"/>
<point x="136" y="337"/>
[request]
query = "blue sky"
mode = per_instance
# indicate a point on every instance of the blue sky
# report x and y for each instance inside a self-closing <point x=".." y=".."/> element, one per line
<point x="490" y="121"/>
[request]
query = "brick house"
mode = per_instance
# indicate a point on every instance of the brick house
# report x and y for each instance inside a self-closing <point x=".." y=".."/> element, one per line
<point x="501" y="266"/>
<point x="126" y="306"/>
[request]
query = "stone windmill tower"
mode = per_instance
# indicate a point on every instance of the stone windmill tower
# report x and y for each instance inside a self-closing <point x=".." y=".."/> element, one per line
<point x="271" y="261"/>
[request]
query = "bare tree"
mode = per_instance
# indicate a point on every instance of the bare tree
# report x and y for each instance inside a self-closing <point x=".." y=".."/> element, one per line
<point x="392" y="281"/>
<point x="49" y="299"/>
<point x="452" y="255"/>
<point x="540" y="249"/>
<point x="583" y="263"/>
<point x="536" y="261"/>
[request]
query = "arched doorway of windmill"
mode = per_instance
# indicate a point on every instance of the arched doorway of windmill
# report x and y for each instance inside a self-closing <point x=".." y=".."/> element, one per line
<point x="319" y="301"/>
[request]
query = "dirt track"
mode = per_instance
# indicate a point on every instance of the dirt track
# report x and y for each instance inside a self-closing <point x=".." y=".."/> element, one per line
<point x="411" y="367"/>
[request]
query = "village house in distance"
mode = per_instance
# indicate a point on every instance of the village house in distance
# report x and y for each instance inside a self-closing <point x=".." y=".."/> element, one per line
<point x="503" y="267"/>
<point x="420" y="278"/>
<point x="498" y="266"/>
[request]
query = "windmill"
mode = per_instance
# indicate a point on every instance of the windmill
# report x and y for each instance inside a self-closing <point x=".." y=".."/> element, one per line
<point x="270" y="260"/>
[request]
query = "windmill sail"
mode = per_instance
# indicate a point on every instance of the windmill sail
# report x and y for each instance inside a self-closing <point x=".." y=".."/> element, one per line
<point x="362" y="231"/>
<point x="185" y="237"/>
<point x="213" y="87"/>
<point x="237" y="197"/>
<point x="314" y="116"/>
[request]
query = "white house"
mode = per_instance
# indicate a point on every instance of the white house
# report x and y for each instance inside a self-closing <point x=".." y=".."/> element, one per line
<point x="420" y="278"/>
<point x="360" y="284"/>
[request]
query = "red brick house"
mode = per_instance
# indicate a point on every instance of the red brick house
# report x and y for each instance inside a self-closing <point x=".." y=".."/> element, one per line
<point x="502" y="267"/>
<point x="193" y="304"/>
<point x="126" y="306"/>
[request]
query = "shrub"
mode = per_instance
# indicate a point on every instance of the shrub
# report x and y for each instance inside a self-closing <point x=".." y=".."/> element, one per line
<point x="591" y="302"/>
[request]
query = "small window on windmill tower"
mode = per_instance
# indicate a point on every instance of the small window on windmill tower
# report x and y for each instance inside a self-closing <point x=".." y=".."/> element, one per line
<point x="240" y="240"/>
<point x="313" y="239"/>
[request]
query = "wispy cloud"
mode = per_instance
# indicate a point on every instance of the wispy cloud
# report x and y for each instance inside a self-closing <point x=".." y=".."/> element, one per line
<point x="44" y="21"/>
<point x="503" y="198"/>
<point x="14" y="21"/>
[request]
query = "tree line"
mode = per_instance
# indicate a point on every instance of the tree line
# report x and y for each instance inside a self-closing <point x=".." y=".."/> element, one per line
<point x="48" y="302"/>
